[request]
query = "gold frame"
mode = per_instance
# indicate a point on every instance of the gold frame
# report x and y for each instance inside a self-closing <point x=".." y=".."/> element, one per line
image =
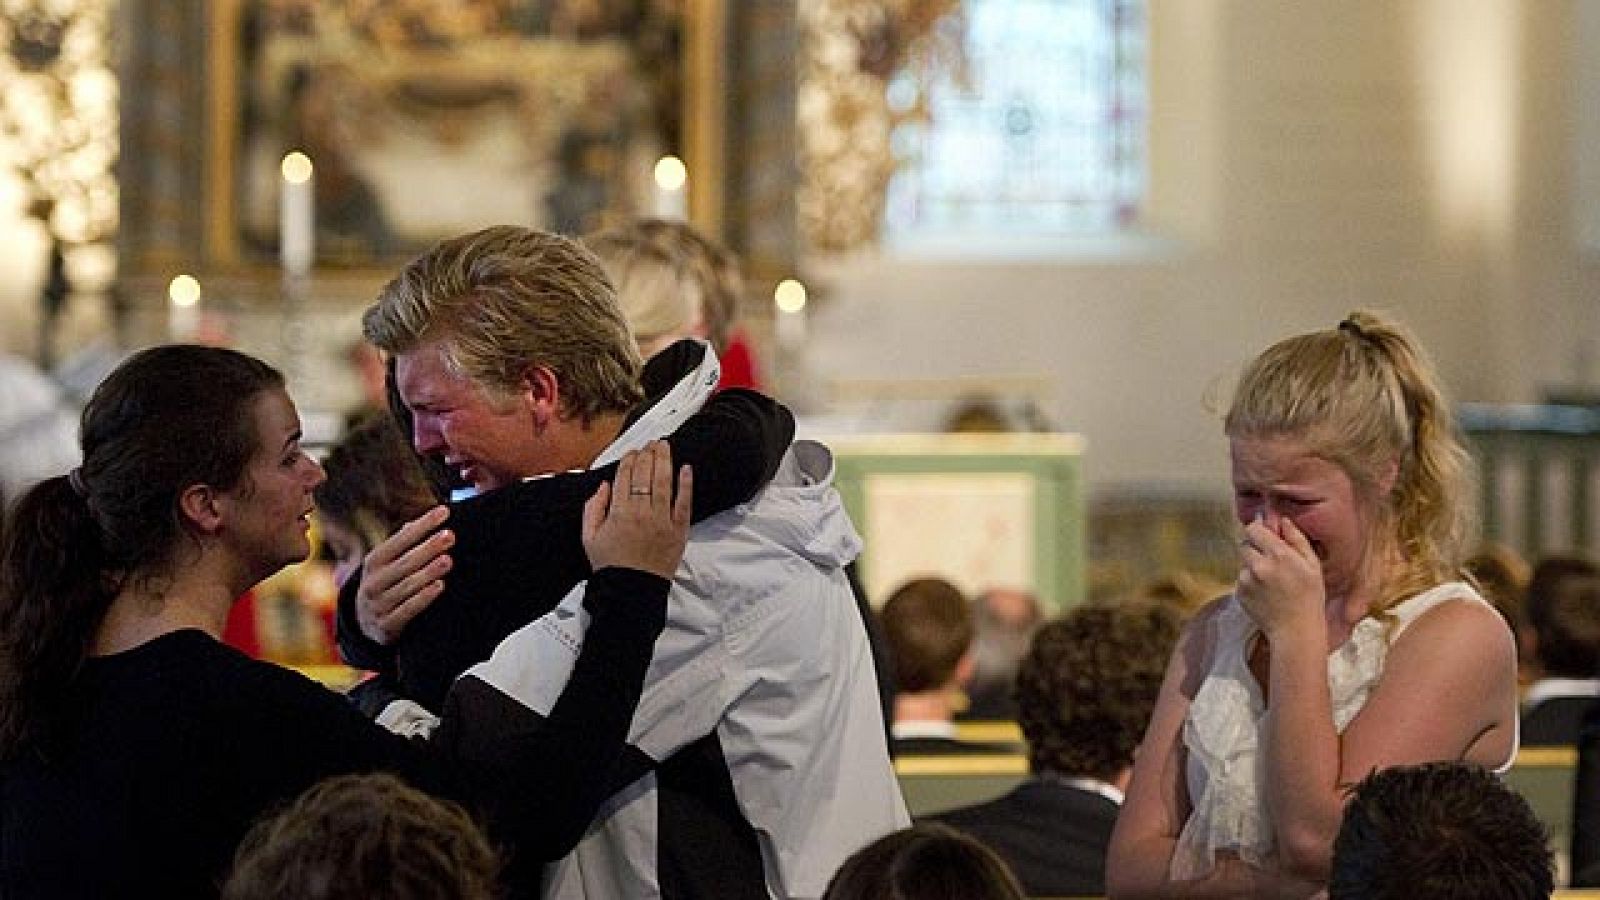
<point x="704" y="117"/>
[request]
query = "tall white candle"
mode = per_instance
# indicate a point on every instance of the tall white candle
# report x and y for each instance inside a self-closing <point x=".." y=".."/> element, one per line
<point x="790" y="325"/>
<point x="297" y="215"/>
<point x="183" y="309"/>
<point x="672" y="188"/>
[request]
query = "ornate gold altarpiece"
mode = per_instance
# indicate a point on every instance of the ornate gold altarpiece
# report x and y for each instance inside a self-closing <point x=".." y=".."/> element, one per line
<point x="193" y="103"/>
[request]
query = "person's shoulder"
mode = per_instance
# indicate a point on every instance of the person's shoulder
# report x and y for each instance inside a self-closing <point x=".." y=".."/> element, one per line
<point x="977" y="818"/>
<point x="1461" y="622"/>
<point x="1452" y="606"/>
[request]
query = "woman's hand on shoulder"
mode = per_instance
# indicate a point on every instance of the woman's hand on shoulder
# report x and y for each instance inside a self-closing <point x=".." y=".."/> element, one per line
<point x="636" y="521"/>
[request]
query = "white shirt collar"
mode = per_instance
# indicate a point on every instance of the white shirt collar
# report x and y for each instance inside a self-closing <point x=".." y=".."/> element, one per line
<point x="1551" y="688"/>
<point x="1092" y="785"/>
<point x="665" y="415"/>
<point x="924" y="728"/>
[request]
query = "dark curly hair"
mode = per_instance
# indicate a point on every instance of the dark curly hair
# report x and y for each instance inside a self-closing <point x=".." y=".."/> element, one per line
<point x="365" y="835"/>
<point x="1089" y="683"/>
<point x="1439" y="830"/>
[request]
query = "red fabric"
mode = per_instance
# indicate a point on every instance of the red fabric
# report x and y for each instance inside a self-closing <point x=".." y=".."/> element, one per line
<point x="241" y="630"/>
<point x="739" y="368"/>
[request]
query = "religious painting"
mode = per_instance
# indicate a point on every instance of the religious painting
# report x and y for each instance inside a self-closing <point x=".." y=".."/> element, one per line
<point x="979" y="510"/>
<point x="428" y="118"/>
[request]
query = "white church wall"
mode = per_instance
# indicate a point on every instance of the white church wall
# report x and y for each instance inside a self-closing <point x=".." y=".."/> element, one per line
<point x="1352" y="154"/>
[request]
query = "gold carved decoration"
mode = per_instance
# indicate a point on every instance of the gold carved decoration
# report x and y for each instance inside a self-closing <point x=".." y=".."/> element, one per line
<point x="850" y="52"/>
<point x="58" y="107"/>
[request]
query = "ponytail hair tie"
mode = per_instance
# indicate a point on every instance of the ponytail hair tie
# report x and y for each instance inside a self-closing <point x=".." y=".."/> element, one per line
<point x="75" y="479"/>
<point x="1350" y="326"/>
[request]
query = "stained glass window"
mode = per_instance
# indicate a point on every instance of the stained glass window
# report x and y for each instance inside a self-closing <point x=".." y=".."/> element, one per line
<point x="1046" y="135"/>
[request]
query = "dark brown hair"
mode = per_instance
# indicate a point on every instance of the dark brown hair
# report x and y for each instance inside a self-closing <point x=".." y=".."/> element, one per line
<point x="927" y="625"/>
<point x="1089" y="683"/>
<point x="167" y="418"/>
<point x="355" y="837"/>
<point x="927" y="861"/>
<point x="375" y="483"/>
<point x="1563" y="607"/>
<point x="1439" y="830"/>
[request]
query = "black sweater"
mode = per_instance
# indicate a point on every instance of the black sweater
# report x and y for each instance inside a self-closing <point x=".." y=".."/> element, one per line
<point x="174" y="747"/>
<point x="521" y="545"/>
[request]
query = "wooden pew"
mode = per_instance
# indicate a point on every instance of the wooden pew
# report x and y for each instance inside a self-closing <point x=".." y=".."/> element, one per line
<point x="1542" y="775"/>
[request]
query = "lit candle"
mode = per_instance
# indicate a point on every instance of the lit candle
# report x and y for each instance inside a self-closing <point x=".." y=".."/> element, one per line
<point x="672" y="188"/>
<point x="183" y="309"/>
<point x="296" y="215"/>
<point x="790" y="299"/>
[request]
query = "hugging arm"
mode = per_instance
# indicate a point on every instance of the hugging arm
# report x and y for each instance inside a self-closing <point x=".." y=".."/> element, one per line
<point x="735" y="442"/>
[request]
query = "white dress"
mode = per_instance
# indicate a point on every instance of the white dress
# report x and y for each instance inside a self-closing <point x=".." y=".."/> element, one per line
<point x="1223" y="731"/>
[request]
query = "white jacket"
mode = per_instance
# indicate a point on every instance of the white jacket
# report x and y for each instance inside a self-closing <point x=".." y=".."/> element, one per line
<point x="764" y="647"/>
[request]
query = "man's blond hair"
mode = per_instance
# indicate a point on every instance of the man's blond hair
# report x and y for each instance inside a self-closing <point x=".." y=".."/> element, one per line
<point x="506" y="299"/>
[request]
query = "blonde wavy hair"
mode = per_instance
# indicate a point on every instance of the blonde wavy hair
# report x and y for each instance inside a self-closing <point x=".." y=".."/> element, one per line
<point x="659" y="292"/>
<point x="508" y="298"/>
<point x="713" y="268"/>
<point x="1365" y="396"/>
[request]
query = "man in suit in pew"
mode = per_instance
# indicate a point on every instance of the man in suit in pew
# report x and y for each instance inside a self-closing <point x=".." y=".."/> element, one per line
<point x="927" y="630"/>
<point x="1004" y="620"/>
<point x="1563" y="641"/>
<point x="1084" y="695"/>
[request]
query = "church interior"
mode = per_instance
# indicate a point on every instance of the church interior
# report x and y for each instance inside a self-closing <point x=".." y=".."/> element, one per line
<point x="1263" y="169"/>
<point x="1008" y="279"/>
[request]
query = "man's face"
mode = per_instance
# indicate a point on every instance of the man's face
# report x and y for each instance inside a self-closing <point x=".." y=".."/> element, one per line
<point x="487" y="438"/>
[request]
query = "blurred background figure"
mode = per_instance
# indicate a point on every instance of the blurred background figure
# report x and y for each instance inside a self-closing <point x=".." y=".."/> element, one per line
<point x="375" y="484"/>
<point x="1562" y="648"/>
<point x="1084" y="694"/>
<point x="674" y="282"/>
<point x="1501" y="575"/>
<point x="365" y="836"/>
<point x="371" y="375"/>
<point x="1004" y="620"/>
<point x="1439" y="831"/>
<point x="38" y="428"/>
<point x="927" y="629"/>
<point x="927" y="861"/>
<point x="1183" y="591"/>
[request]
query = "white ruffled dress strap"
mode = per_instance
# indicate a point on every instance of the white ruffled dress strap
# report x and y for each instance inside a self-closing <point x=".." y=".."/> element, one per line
<point x="1222" y="735"/>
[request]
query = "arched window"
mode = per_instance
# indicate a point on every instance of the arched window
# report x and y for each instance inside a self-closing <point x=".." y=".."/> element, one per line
<point x="1045" y="136"/>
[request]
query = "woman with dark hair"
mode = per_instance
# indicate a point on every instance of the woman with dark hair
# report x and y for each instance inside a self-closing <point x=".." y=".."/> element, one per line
<point x="136" y="748"/>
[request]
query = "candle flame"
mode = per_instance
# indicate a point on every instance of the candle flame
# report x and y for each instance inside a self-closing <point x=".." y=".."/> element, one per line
<point x="297" y="168"/>
<point x="184" y="291"/>
<point x="790" y="295"/>
<point x="671" y="173"/>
